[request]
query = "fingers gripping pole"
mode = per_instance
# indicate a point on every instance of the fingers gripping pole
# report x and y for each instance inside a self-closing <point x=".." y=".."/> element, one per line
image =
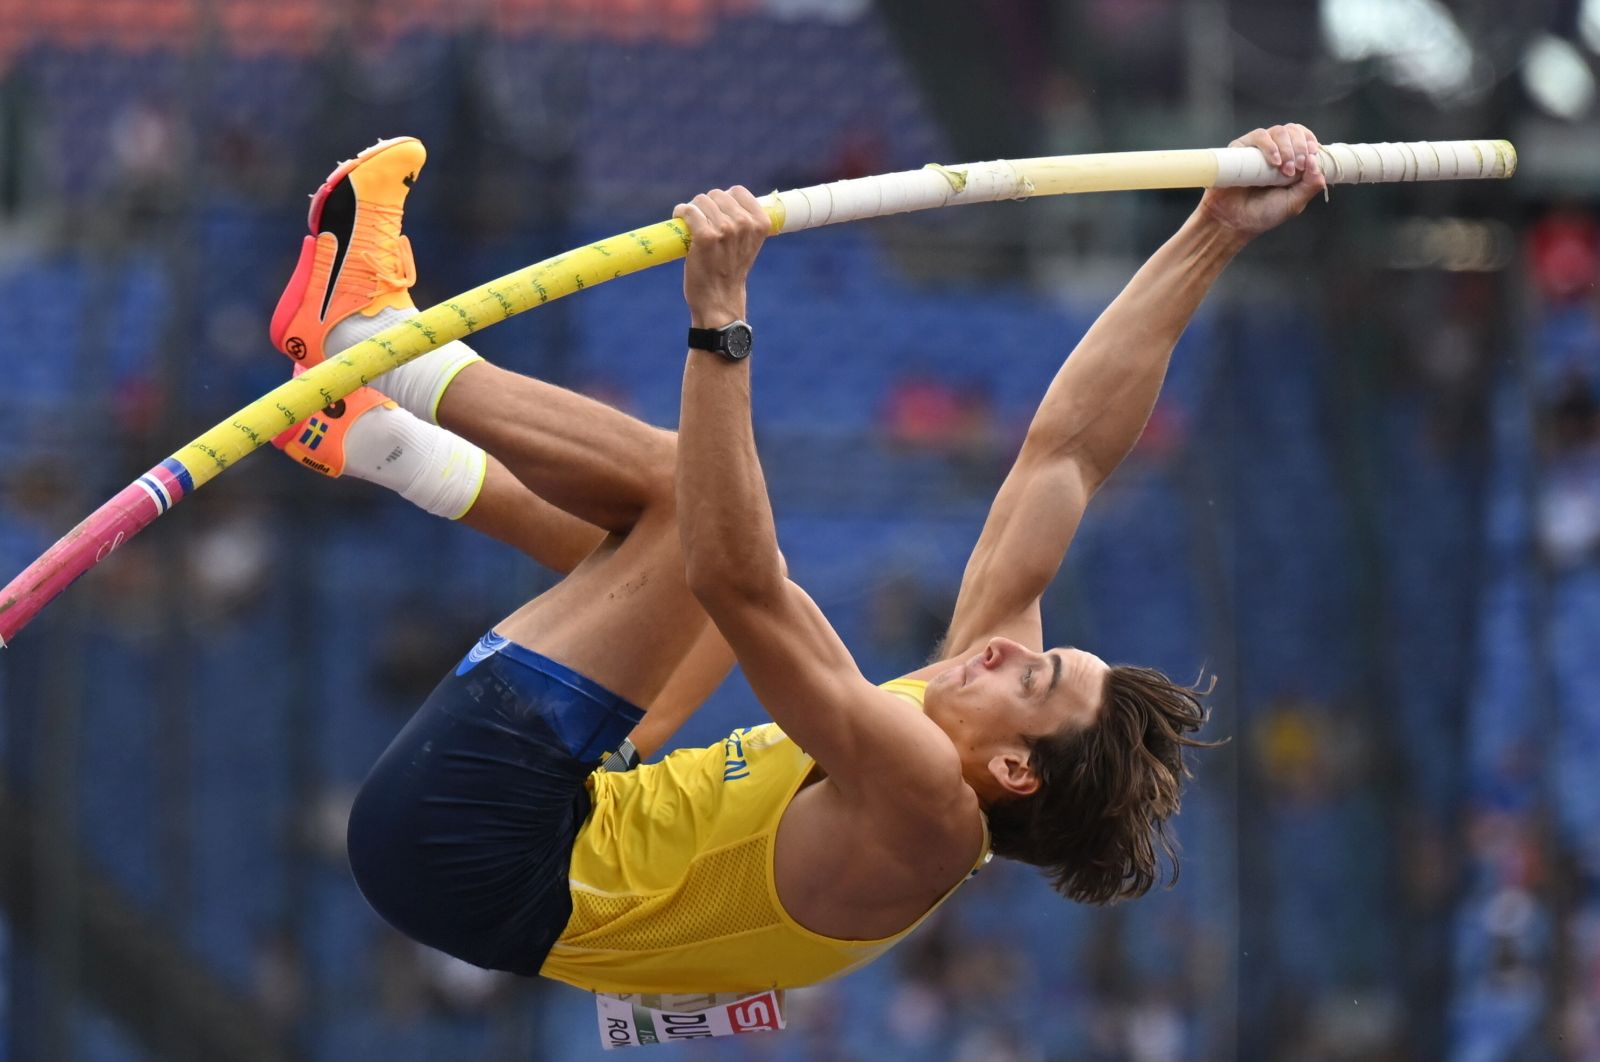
<point x="159" y="489"/>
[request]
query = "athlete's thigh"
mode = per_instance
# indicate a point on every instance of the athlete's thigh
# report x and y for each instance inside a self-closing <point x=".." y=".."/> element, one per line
<point x="624" y="617"/>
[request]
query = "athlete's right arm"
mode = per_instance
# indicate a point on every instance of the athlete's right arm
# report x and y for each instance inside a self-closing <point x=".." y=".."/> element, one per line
<point x="870" y="742"/>
<point x="1095" y="409"/>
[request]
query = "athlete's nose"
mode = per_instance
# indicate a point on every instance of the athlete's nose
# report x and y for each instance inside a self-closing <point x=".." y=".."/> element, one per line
<point x="998" y="650"/>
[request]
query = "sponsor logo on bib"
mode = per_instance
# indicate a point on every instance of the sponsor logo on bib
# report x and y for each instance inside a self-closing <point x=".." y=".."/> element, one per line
<point x="751" y="1014"/>
<point x="625" y="1021"/>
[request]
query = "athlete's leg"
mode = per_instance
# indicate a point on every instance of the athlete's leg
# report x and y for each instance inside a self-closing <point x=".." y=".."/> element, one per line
<point x="368" y="438"/>
<point x="625" y="616"/>
<point x="698" y="673"/>
<point x="508" y="511"/>
<point x="594" y="461"/>
<point x="462" y="832"/>
<point x="601" y="469"/>
<point x="460" y="836"/>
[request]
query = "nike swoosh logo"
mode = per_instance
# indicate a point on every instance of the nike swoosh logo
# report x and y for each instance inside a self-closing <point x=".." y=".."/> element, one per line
<point x="487" y="646"/>
<point x="339" y="218"/>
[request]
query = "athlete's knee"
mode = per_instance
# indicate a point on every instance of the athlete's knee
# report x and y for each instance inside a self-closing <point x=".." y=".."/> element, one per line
<point x="658" y="468"/>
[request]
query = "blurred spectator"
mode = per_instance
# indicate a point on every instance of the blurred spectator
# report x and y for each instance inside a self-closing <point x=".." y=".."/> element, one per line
<point x="954" y="419"/>
<point x="130" y="602"/>
<point x="1580" y="1017"/>
<point x="1569" y="505"/>
<point x="422" y="639"/>
<point x="279" y="987"/>
<point x="1564" y="254"/>
<point x="1572" y="417"/>
<point x="1449" y="353"/>
<point x="146" y="167"/>
<point x="1070" y="123"/>
<point x="1328" y="866"/>
<point x="248" y="164"/>
<point x="321" y="829"/>
<point x="40" y="489"/>
<point x="415" y="982"/>
<point x="858" y="152"/>
<point x="965" y="995"/>
<point x="925" y="412"/>
<point x="907" y="617"/>
<point x="1569" y="510"/>
<point x="1165" y="436"/>
<point x="1156" y="1030"/>
<point x="230" y="562"/>
<point x="1501" y="998"/>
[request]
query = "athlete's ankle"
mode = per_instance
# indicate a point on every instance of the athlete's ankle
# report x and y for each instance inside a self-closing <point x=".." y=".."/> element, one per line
<point x="419" y="384"/>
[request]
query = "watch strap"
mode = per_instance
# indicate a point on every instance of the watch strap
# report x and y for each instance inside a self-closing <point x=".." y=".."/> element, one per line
<point x="710" y="339"/>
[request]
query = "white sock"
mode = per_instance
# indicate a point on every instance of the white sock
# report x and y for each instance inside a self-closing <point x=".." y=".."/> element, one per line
<point x="426" y="465"/>
<point x="418" y="384"/>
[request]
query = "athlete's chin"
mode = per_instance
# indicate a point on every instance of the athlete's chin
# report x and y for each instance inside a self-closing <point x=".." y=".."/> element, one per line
<point x="950" y="683"/>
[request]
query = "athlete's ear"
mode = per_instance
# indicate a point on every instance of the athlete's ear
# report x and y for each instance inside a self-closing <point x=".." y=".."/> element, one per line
<point x="1014" y="773"/>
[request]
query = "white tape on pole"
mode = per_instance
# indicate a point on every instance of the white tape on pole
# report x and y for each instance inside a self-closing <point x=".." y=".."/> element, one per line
<point x="1424" y="160"/>
<point x="987" y="182"/>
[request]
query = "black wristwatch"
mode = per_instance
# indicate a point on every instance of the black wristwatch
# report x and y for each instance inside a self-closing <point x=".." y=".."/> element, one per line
<point x="732" y="341"/>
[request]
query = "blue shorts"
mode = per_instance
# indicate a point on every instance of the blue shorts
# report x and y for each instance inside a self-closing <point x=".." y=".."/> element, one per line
<point x="461" y="837"/>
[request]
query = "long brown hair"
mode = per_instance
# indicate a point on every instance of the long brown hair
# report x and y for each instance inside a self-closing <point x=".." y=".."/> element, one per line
<point x="1097" y="824"/>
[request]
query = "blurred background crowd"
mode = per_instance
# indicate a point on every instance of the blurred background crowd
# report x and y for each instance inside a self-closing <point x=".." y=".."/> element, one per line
<point x="1369" y="501"/>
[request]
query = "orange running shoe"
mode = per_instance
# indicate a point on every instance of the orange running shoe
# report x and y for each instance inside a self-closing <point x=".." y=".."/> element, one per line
<point x="356" y="260"/>
<point x="318" y="441"/>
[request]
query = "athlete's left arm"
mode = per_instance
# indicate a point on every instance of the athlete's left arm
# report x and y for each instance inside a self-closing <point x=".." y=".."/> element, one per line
<point x="888" y="757"/>
<point x="1096" y="407"/>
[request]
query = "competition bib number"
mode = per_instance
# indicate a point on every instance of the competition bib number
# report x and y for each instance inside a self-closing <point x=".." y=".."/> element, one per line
<point x="634" y="1020"/>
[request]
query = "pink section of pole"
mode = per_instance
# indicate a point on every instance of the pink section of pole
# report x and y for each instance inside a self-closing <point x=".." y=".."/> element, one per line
<point x="80" y="549"/>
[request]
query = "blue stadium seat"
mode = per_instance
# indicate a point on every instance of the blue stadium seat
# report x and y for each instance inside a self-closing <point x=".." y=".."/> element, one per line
<point x="119" y="814"/>
<point x="1577" y="689"/>
<point x="42" y="306"/>
<point x="99" y="1039"/>
<point x="242" y="805"/>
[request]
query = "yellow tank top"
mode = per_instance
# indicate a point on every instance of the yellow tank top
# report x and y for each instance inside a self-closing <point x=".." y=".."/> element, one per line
<point x="672" y="879"/>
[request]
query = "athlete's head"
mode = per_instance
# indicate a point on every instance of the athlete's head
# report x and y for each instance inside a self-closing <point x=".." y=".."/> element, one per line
<point x="1078" y="764"/>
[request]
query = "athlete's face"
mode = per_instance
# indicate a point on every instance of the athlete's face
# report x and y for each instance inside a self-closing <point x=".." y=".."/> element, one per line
<point x="994" y="703"/>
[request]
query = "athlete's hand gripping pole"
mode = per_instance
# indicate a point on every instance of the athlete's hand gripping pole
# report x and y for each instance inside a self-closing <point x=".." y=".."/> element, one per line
<point x="159" y="489"/>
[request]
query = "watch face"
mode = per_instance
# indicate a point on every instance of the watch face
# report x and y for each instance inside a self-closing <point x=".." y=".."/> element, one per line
<point x="737" y="341"/>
